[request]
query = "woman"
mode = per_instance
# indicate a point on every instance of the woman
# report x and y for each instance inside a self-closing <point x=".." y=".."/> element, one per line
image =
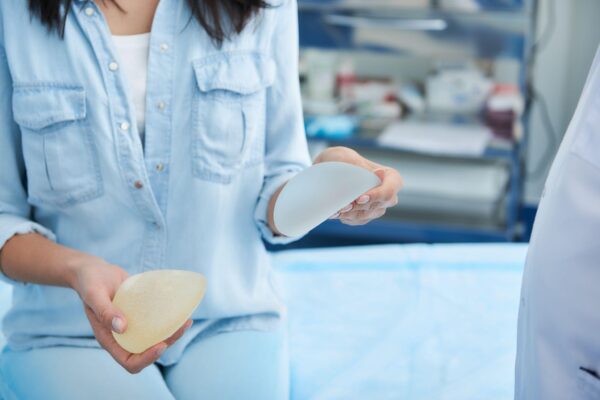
<point x="140" y="135"/>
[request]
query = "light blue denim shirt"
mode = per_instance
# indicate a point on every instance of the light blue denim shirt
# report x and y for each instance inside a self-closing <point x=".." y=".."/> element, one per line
<point x="223" y="131"/>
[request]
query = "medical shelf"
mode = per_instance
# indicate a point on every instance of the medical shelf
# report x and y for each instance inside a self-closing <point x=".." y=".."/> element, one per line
<point x="501" y="29"/>
<point x="490" y="33"/>
<point x="497" y="150"/>
<point x="414" y="20"/>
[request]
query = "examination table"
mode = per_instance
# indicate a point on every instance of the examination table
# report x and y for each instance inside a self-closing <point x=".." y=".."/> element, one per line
<point x="416" y="322"/>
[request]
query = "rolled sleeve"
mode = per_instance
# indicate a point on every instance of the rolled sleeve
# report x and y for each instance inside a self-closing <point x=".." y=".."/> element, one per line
<point x="286" y="150"/>
<point x="12" y="225"/>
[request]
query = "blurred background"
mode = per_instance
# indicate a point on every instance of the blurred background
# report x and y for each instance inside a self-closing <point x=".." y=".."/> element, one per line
<point x="468" y="99"/>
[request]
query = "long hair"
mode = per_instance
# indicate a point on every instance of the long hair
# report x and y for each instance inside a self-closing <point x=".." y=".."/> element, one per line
<point x="220" y="18"/>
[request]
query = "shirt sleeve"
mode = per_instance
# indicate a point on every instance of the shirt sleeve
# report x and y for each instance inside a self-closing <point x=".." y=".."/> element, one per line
<point x="286" y="150"/>
<point x="15" y="211"/>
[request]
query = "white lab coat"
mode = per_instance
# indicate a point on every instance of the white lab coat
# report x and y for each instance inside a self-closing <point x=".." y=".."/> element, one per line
<point x="559" y="319"/>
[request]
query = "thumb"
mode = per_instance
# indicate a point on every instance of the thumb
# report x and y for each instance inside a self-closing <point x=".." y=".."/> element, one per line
<point x="108" y="315"/>
<point x="380" y="174"/>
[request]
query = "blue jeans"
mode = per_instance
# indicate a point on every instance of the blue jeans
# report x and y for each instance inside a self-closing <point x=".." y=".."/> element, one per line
<point x="233" y="365"/>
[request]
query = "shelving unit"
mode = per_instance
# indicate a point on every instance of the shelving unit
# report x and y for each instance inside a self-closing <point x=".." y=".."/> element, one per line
<point x="502" y="29"/>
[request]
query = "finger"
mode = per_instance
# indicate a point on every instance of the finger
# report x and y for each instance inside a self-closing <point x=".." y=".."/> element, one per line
<point x="382" y="193"/>
<point x="357" y="222"/>
<point x="363" y="199"/>
<point x="346" y="209"/>
<point x="382" y="197"/>
<point x="177" y="335"/>
<point x="133" y="363"/>
<point x="352" y="216"/>
<point x="354" y="222"/>
<point x="357" y="215"/>
<point x="380" y="212"/>
<point x="108" y="342"/>
<point x="137" y="362"/>
<point x="363" y="217"/>
<point x="391" y="183"/>
<point x="380" y="172"/>
<point x="106" y="339"/>
<point x="372" y="205"/>
<point x="108" y="315"/>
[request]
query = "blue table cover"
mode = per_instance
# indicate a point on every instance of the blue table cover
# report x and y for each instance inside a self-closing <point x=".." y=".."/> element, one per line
<point x="403" y="322"/>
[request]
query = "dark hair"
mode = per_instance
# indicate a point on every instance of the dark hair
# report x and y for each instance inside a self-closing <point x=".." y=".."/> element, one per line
<point x="220" y="18"/>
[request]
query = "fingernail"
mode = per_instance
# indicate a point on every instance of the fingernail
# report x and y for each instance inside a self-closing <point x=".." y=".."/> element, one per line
<point x="118" y="325"/>
<point x="189" y="324"/>
<point x="364" y="199"/>
<point x="161" y="350"/>
<point x="347" y="208"/>
<point x="334" y="216"/>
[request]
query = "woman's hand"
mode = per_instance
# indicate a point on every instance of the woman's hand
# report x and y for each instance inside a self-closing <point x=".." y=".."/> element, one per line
<point x="96" y="282"/>
<point x="375" y="202"/>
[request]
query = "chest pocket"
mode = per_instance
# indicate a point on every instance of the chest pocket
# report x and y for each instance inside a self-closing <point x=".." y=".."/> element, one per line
<point x="60" y="158"/>
<point x="229" y="109"/>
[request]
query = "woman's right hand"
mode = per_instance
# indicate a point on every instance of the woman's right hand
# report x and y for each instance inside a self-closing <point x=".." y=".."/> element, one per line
<point x="96" y="282"/>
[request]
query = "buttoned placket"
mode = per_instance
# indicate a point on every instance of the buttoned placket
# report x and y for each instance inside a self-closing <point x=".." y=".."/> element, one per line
<point x="159" y="92"/>
<point x="147" y="184"/>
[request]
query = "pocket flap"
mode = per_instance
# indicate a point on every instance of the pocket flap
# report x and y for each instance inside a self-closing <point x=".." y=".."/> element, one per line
<point x="38" y="106"/>
<point x="240" y="72"/>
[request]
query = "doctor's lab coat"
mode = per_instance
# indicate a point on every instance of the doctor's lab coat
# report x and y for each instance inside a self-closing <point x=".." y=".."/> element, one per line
<point x="559" y="320"/>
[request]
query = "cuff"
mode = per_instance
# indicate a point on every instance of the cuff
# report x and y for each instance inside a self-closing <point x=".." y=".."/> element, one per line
<point x="12" y="225"/>
<point x="261" y="211"/>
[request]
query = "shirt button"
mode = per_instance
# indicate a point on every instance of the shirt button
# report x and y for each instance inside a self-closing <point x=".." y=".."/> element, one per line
<point x="164" y="47"/>
<point x="124" y="126"/>
<point x="161" y="105"/>
<point x="138" y="184"/>
<point x="89" y="11"/>
<point x="160" y="167"/>
<point x="113" y="66"/>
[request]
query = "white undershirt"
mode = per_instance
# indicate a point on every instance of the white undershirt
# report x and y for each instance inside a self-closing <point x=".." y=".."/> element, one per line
<point x="133" y="51"/>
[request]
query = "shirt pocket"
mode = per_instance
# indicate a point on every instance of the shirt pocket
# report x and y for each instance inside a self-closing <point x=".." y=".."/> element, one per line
<point x="60" y="157"/>
<point x="229" y="106"/>
<point x="587" y="142"/>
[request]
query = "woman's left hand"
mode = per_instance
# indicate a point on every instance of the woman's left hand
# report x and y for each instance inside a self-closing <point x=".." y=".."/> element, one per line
<point x="374" y="203"/>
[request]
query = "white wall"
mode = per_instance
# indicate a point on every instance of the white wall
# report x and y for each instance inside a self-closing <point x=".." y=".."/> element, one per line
<point x="560" y="74"/>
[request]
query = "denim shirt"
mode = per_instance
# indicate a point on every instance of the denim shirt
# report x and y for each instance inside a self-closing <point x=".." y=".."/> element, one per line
<point x="223" y="131"/>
